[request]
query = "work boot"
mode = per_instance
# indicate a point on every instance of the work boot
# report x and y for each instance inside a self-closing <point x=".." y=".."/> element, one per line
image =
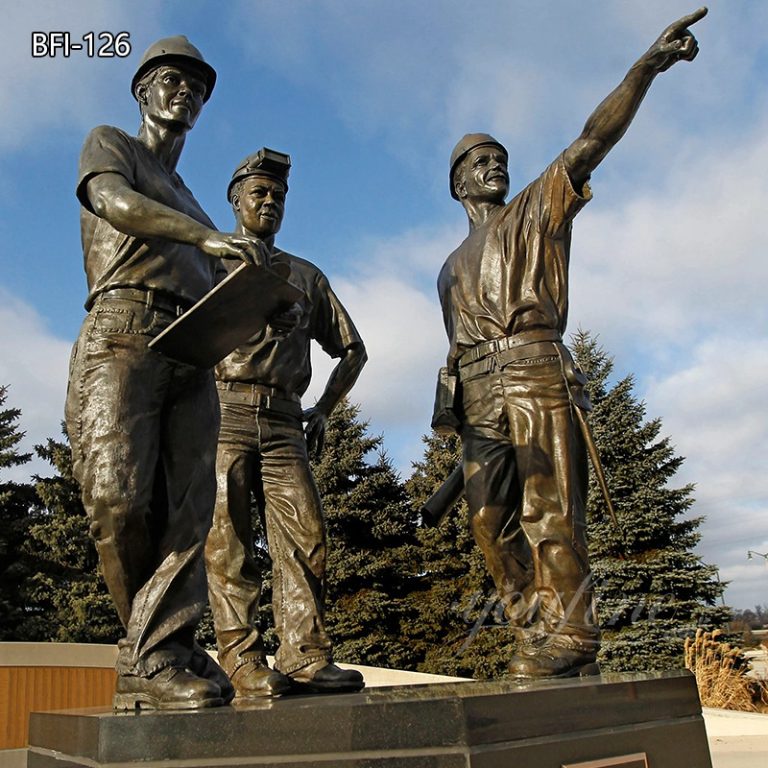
<point x="204" y="666"/>
<point x="170" y="688"/>
<point x="325" y="677"/>
<point x="555" y="656"/>
<point x="255" y="680"/>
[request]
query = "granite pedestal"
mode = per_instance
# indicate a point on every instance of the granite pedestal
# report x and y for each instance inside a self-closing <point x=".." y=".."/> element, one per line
<point x="612" y="721"/>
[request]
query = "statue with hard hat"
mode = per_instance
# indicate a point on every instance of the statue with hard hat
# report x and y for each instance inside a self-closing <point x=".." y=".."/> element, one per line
<point x="511" y="388"/>
<point x="263" y="455"/>
<point x="142" y="426"/>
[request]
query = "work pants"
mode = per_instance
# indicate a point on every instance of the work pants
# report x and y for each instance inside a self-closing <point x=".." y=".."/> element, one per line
<point x="525" y="470"/>
<point x="143" y="434"/>
<point x="263" y="452"/>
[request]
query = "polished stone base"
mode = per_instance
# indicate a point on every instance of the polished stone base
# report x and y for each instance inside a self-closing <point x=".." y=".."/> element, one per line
<point x="613" y="721"/>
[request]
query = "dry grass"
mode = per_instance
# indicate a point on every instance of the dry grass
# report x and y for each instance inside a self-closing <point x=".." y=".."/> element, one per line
<point x="720" y="671"/>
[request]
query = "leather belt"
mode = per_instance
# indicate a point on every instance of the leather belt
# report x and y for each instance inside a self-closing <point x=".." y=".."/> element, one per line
<point x="165" y="302"/>
<point x="529" y="352"/>
<point x="508" y="343"/>
<point x="261" y="396"/>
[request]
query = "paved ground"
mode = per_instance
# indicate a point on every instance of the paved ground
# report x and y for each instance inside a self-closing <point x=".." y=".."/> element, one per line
<point x="737" y="739"/>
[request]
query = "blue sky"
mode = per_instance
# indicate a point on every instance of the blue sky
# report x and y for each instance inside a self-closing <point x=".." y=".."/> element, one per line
<point x="668" y="261"/>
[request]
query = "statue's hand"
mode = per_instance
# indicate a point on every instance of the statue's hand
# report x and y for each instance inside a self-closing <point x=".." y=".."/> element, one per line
<point x="675" y="43"/>
<point x="315" y="430"/>
<point x="225" y="245"/>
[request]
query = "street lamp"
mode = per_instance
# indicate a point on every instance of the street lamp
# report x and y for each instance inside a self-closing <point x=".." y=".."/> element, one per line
<point x="764" y="555"/>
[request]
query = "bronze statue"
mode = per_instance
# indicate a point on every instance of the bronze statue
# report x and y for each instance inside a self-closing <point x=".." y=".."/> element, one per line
<point x="263" y="452"/>
<point x="142" y="426"/>
<point x="504" y="293"/>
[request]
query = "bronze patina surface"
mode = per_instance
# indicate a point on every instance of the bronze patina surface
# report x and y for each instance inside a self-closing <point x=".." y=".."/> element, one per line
<point x="227" y="316"/>
<point x="263" y="455"/>
<point x="520" y="398"/>
<point x="143" y="426"/>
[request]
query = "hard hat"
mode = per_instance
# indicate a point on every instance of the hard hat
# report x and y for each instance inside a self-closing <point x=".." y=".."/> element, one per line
<point x="175" y="49"/>
<point x="265" y="162"/>
<point x="467" y="143"/>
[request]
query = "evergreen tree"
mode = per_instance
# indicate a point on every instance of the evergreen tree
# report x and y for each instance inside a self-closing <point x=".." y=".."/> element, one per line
<point x="67" y="596"/>
<point x="456" y="625"/>
<point x="17" y="502"/>
<point x="651" y="588"/>
<point x="371" y="544"/>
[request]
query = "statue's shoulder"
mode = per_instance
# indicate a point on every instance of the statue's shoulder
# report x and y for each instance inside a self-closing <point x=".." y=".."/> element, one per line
<point x="110" y="138"/>
<point x="110" y="132"/>
<point x="309" y="271"/>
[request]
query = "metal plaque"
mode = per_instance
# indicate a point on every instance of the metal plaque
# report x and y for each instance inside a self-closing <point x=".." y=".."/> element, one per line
<point x="638" y="760"/>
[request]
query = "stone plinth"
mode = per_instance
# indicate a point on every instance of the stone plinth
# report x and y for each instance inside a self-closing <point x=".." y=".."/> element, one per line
<point x="613" y="721"/>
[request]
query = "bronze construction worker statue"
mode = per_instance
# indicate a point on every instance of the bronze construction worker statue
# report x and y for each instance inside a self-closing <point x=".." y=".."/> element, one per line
<point x="263" y="455"/>
<point x="142" y="426"/>
<point x="519" y="397"/>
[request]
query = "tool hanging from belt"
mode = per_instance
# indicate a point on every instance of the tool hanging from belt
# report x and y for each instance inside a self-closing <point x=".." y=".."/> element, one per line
<point x="485" y="357"/>
<point x="497" y="353"/>
<point x="589" y="441"/>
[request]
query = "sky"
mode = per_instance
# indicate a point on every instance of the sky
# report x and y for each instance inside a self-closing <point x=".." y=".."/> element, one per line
<point x="668" y="262"/>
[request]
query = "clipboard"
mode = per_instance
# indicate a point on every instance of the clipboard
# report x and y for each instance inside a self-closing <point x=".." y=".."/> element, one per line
<point x="226" y="317"/>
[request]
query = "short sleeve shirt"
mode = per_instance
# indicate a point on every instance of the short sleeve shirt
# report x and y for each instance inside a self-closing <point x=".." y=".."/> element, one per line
<point x="283" y="361"/>
<point x="113" y="259"/>
<point x="511" y="273"/>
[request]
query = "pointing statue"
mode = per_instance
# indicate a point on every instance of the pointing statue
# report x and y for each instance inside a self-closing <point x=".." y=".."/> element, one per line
<point x="143" y="426"/>
<point x="520" y="399"/>
<point x="263" y="454"/>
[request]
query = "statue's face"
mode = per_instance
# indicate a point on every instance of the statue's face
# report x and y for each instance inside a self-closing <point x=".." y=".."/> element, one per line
<point x="484" y="174"/>
<point x="175" y="96"/>
<point x="260" y="205"/>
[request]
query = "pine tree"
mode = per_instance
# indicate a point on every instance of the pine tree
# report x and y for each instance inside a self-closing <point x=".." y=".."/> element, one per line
<point x="17" y="503"/>
<point x="456" y="625"/>
<point x="371" y="543"/>
<point x="651" y="588"/>
<point x="67" y="595"/>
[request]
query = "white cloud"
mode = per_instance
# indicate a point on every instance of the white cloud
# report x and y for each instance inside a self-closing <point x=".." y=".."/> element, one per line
<point x="715" y="409"/>
<point x="392" y="299"/>
<point x="747" y="578"/>
<point x="668" y="261"/>
<point x="674" y="275"/>
<point x="678" y="260"/>
<point x="406" y="344"/>
<point x="33" y="364"/>
<point x="46" y="94"/>
<point x="418" y="77"/>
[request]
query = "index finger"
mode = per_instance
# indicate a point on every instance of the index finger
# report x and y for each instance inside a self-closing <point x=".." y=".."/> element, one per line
<point x="687" y="21"/>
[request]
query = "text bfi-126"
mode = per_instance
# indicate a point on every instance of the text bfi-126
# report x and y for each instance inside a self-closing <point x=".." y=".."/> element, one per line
<point x="103" y="45"/>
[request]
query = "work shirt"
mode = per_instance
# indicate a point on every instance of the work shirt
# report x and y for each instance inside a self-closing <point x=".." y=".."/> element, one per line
<point x="283" y="361"/>
<point x="113" y="259"/>
<point x="511" y="273"/>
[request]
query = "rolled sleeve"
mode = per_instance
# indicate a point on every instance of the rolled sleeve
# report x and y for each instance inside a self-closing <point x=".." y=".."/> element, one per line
<point x="332" y="327"/>
<point x="553" y="201"/>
